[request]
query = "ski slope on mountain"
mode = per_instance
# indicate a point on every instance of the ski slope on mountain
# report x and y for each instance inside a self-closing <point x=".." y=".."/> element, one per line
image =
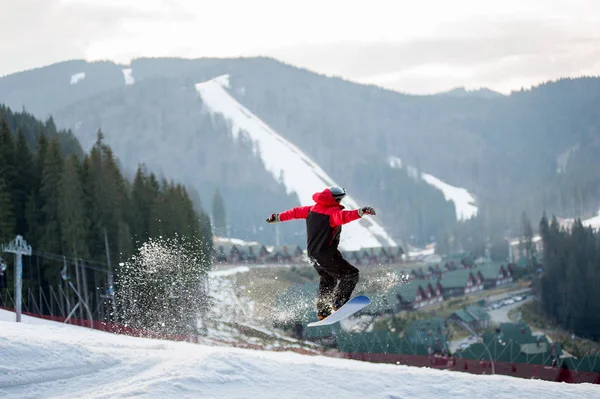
<point x="464" y="202"/>
<point x="593" y="222"/>
<point x="284" y="160"/>
<point x="77" y="77"/>
<point x="42" y="359"/>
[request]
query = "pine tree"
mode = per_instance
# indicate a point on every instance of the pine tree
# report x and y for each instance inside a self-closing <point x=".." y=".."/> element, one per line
<point x="35" y="203"/>
<point x="23" y="183"/>
<point x="7" y="160"/>
<point x="219" y="216"/>
<point x="527" y="241"/>
<point x="7" y="220"/>
<point x="51" y="238"/>
<point x="71" y="209"/>
<point x="108" y="201"/>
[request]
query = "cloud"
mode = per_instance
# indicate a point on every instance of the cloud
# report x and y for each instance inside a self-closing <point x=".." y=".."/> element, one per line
<point x="39" y="32"/>
<point x="432" y="45"/>
<point x="501" y="53"/>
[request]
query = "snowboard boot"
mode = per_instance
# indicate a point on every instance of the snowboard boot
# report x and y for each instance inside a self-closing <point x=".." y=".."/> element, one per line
<point x="324" y="308"/>
<point x="323" y="314"/>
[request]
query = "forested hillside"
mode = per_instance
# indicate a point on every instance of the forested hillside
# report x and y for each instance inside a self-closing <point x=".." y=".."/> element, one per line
<point x="531" y="151"/>
<point x="80" y="206"/>
<point x="568" y="287"/>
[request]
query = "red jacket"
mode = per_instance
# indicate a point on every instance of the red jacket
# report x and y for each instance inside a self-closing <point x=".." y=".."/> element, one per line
<point x="324" y="222"/>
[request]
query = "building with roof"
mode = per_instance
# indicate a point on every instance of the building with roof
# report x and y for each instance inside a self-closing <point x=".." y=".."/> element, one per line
<point x="514" y="343"/>
<point x="474" y="316"/>
<point x="431" y="333"/>
<point x="517" y="250"/>
<point x="494" y="275"/>
<point x="414" y="295"/>
<point x="286" y="254"/>
<point x="461" y="282"/>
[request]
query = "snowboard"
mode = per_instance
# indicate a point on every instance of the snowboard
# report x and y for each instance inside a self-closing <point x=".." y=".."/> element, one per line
<point x="349" y="308"/>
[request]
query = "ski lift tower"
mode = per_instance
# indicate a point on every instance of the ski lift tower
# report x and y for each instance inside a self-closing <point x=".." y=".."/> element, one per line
<point x="19" y="247"/>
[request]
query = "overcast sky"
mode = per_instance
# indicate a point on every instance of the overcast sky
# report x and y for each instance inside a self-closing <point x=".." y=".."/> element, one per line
<point x="416" y="46"/>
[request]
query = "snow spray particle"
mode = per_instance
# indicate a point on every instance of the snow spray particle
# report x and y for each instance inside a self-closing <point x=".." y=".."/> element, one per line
<point x="163" y="288"/>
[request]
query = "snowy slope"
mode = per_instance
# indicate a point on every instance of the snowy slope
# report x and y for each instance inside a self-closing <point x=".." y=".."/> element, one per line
<point x="300" y="174"/>
<point x="464" y="202"/>
<point x="52" y="360"/>
<point x="128" y="76"/>
<point x="594" y="222"/>
<point x="75" y="78"/>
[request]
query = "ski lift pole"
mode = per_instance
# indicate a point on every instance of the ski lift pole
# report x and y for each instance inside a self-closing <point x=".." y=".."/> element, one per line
<point x="19" y="247"/>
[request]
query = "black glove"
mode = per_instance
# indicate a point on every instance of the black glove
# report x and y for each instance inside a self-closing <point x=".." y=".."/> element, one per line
<point x="366" y="210"/>
<point x="274" y="218"/>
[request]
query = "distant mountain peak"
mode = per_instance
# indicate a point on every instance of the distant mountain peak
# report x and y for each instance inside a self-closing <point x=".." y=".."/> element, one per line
<point x="481" y="93"/>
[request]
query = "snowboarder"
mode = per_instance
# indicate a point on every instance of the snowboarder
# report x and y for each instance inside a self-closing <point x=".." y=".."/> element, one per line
<point x="324" y="222"/>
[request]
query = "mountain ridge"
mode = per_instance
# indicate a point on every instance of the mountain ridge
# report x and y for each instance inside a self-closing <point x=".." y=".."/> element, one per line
<point x="503" y="150"/>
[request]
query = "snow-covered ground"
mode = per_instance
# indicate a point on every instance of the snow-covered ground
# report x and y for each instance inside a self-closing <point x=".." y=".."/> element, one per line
<point x="594" y="222"/>
<point x="282" y="159"/>
<point x="233" y="241"/>
<point x="77" y="77"/>
<point x="464" y="202"/>
<point x="41" y="359"/>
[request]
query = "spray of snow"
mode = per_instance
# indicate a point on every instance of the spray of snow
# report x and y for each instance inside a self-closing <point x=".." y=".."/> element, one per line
<point x="53" y="360"/>
<point x="128" y="75"/>
<point x="383" y="281"/>
<point x="282" y="159"/>
<point x="77" y="77"/>
<point x="464" y="202"/>
<point x="163" y="287"/>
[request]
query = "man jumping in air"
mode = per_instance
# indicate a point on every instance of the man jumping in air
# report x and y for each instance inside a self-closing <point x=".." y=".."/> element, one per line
<point x="324" y="222"/>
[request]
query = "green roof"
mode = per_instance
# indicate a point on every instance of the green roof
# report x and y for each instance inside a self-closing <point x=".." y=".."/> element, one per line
<point x="456" y="278"/>
<point x="382" y="342"/>
<point x="513" y="344"/>
<point x="427" y="332"/>
<point x="472" y="313"/>
<point x="519" y="333"/>
<point x="478" y="312"/>
<point x="490" y="271"/>
<point x="464" y="316"/>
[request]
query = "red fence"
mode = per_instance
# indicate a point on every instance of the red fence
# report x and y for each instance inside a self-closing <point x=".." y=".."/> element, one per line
<point x="523" y="370"/>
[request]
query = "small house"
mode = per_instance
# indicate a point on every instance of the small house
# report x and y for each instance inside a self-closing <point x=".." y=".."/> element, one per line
<point x="474" y="316"/>
<point x="461" y="282"/>
<point x="414" y="295"/>
<point x="286" y="254"/>
<point x="494" y="275"/>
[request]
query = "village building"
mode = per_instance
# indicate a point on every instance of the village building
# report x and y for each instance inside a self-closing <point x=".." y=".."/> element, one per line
<point x="474" y="316"/>
<point x="461" y="282"/>
<point x="414" y="295"/>
<point x="517" y="250"/>
<point x="494" y="275"/>
<point x="286" y="254"/>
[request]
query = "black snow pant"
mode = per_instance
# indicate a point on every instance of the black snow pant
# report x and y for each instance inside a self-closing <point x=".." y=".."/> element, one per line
<point x="338" y="280"/>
